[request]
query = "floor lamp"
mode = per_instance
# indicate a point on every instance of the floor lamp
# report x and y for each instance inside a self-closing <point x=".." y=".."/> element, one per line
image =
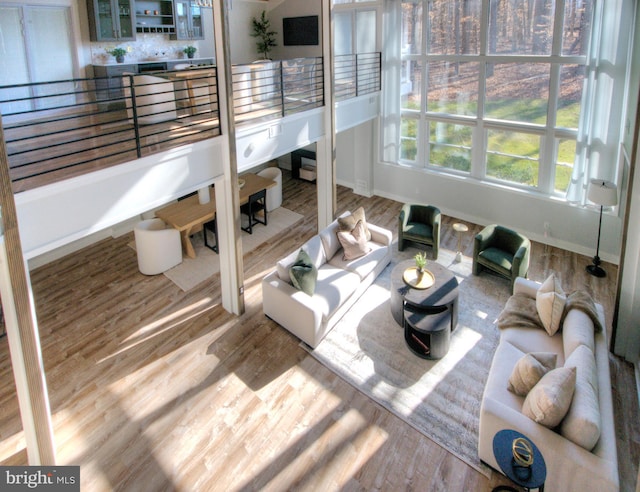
<point x="601" y="193"/>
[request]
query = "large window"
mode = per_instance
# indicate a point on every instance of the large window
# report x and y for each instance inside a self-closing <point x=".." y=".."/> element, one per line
<point x="493" y="89"/>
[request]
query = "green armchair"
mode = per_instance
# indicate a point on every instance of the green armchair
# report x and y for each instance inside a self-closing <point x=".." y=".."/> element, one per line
<point x="502" y="251"/>
<point x="419" y="224"/>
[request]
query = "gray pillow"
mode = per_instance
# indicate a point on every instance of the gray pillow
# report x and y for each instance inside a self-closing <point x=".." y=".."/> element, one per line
<point x="304" y="273"/>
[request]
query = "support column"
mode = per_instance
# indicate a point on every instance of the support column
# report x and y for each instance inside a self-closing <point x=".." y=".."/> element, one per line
<point x="227" y="189"/>
<point x="326" y="147"/>
<point x="22" y="328"/>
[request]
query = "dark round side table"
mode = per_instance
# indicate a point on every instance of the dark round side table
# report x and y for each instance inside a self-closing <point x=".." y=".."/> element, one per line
<point x="533" y="478"/>
<point x="427" y="315"/>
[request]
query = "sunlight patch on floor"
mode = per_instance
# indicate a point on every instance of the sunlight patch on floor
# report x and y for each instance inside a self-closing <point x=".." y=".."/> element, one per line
<point x="462" y="342"/>
<point x="162" y="325"/>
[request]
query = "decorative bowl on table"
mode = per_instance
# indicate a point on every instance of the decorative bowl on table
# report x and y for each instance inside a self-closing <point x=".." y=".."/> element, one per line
<point x="418" y="279"/>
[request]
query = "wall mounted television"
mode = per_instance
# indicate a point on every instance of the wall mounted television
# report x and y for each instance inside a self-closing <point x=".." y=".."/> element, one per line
<point x="300" y="31"/>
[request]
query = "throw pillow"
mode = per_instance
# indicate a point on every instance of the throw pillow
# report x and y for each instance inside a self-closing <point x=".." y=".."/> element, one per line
<point x="529" y="370"/>
<point x="549" y="400"/>
<point x="577" y="330"/>
<point x="354" y="243"/>
<point x="582" y="424"/>
<point x="550" y="301"/>
<point x="304" y="273"/>
<point x="348" y="222"/>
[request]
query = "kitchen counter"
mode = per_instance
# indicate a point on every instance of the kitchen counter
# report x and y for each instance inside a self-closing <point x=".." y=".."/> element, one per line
<point x="168" y="61"/>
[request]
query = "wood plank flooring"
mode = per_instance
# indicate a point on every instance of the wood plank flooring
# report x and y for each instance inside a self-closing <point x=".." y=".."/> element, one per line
<point x="155" y="389"/>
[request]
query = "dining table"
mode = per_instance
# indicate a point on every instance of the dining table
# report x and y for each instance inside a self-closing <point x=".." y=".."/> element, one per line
<point x="189" y="215"/>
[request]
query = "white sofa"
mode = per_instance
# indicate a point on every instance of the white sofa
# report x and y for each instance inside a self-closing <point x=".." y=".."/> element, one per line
<point x="570" y="467"/>
<point x="340" y="283"/>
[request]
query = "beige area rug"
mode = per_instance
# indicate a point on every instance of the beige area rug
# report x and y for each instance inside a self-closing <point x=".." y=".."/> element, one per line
<point x="439" y="398"/>
<point x="193" y="271"/>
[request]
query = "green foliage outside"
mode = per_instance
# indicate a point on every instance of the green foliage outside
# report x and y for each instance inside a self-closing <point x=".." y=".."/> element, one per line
<point x="511" y="156"/>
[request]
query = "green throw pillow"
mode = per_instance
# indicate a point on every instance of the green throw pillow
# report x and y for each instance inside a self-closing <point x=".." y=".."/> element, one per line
<point x="304" y="273"/>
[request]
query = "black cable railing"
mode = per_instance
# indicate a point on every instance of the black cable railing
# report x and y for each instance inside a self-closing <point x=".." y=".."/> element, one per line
<point x="274" y="89"/>
<point x="60" y="129"/>
<point x="56" y="130"/>
<point x="357" y="74"/>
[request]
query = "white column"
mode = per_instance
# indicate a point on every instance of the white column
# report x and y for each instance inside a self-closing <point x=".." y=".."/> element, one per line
<point x="326" y="147"/>
<point x="227" y="190"/>
<point x="22" y="328"/>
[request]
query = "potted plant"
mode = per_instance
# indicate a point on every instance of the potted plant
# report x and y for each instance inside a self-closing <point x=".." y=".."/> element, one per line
<point x="118" y="53"/>
<point x="421" y="261"/>
<point x="190" y="51"/>
<point x="266" y="37"/>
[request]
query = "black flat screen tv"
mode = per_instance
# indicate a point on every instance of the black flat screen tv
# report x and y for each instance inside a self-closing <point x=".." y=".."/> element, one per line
<point x="300" y="31"/>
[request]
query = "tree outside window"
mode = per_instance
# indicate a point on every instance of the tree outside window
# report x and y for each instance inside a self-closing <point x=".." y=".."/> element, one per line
<point x="507" y="82"/>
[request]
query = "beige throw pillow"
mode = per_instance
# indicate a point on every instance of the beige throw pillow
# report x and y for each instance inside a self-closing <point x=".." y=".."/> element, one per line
<point x="582" y="424"/>
<point x="529" y="370"/>
<point x="549" y="400"/>
<point x="550" y="301"/>
<point x="577" y="330"/>
<point x="354" y="243"/>
<point x="349" y="222"/>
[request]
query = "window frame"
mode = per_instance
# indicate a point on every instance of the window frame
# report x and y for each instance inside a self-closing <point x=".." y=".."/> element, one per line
<point x="550" y="134"/>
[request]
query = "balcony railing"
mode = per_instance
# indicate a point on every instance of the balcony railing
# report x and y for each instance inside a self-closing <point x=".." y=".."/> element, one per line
<point x="356" y="75"/>
<point x="57" y="130"/>
<point x="274" y="89"/>
<point x="61" y="129"/>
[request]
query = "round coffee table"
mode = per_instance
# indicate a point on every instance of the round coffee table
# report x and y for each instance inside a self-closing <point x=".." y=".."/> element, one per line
<point x="427" y="315"/>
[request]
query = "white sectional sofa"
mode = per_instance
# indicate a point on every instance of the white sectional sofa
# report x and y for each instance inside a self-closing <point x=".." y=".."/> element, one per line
<point x="570" y="467"/>
<point x="339" y="283"/>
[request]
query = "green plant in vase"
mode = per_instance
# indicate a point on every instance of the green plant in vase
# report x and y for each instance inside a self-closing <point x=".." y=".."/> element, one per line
<point x="118" y="53"/>
<point x="421" y="261"/>
<point x="266" y="37"/>
<point x="190" y="51"/>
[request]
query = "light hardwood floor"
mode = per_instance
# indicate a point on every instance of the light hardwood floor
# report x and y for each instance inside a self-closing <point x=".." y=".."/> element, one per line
<point x="155" y="389"/>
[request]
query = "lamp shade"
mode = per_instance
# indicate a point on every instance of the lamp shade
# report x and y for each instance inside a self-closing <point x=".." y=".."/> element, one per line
<point x="602" y="192"/>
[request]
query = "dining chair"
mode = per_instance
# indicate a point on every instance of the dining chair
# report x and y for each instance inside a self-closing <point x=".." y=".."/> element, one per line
<point x="256" y="206"/>
<point x="211" y="226"/>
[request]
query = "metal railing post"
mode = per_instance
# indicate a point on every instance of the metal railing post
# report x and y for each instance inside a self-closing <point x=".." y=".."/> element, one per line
<point x="357" y="77"/>
<point x="134" y="109"/>
<point x="282" y="89"/>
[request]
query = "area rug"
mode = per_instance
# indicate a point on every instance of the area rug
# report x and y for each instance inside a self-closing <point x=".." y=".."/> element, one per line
<point x="439" y="398"/>
<point x="192" y="271"/>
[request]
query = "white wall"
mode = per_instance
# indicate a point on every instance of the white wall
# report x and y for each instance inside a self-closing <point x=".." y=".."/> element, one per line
<point x="627" y="340"/>
<point x="56" y="215"/>
<point x="243" y="46"/>
<point x="258" y="144"/>
<point x="295" y="8"/>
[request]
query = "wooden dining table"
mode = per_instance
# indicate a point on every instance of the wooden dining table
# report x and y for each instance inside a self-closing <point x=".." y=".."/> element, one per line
<point x="195" y="78"/>
<point x="188" y="215"/>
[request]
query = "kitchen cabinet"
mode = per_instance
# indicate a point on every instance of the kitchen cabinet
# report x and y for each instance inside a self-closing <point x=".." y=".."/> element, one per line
<point x="188" y="17"/>
<point x="155" y="16"/>
<point x="111" y="20"/>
